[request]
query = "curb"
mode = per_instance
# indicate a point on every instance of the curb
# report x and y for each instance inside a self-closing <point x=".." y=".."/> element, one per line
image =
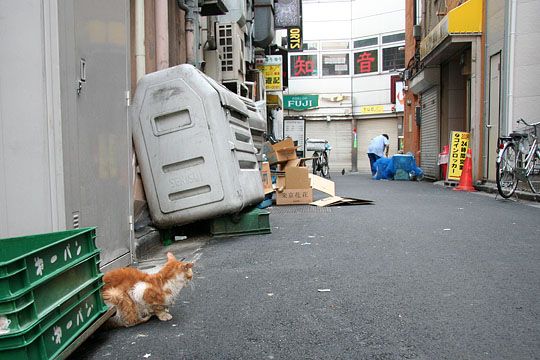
<point x="492" y="189"/>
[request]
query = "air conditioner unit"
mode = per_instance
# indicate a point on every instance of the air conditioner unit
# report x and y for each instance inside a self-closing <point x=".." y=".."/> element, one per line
<point x="230" y="41"/>
<point x="212" y="68"/>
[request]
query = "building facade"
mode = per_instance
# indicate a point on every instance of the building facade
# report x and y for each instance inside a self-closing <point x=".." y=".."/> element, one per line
<point x="470" y="67"/>
<point x="342" y="84"/>
<point x="444" y="79"/>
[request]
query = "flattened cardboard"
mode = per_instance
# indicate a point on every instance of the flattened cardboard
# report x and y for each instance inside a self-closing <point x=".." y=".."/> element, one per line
<point x="294" y="196"/>
<point x="339" y="201"/>
<point x="297" y="178"/>
<point x="324" y="185"/>
<point x="266" y="178"/>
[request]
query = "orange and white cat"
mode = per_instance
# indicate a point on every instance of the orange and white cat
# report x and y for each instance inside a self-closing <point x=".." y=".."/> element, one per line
<point x="138" y="295"/>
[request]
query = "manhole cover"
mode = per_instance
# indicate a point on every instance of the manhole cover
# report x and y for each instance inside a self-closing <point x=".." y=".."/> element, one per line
<point x="299" y="209"/>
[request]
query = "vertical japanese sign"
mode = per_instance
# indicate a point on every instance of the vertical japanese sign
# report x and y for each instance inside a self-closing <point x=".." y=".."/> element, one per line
<point x="400" y="96"/>
<point x="287" y="13"/>
<point x="294" y="39"/>
<point x="270" y="66"/>
<point x="459" y="143"/>
<point x="366" y="62"/>
<point x="303" y="65"/>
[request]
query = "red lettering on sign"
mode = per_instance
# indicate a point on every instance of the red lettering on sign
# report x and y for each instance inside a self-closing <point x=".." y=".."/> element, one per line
<point x="365" y="60"/>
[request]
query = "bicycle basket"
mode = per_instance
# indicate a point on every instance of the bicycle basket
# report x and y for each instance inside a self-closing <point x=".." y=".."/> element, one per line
<point x="316" y="144"/>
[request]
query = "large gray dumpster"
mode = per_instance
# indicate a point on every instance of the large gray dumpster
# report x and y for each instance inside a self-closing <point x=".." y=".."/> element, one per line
<point x="194" y="147"/>
<point x="257" y="125"/>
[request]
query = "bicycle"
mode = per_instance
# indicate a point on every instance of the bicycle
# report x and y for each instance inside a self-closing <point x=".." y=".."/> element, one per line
<point x="518" y="159"/>
<point x="321" y="153"/>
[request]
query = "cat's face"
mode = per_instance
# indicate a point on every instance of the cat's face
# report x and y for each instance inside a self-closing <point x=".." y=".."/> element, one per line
<point x="181" y="268"/>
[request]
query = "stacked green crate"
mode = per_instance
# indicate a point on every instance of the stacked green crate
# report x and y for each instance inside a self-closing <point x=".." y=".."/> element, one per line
<point x="49" y="292"/>
<point x="255" y="221"/>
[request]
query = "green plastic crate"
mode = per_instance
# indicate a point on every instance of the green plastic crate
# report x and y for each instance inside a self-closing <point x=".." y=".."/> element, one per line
<point x="49" y="337"/>
<point x="256" y="221"/>
<point x="28" y="261"/>
<point x="25" y="310"/>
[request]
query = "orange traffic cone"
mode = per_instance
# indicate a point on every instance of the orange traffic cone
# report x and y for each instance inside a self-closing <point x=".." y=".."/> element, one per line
<point x="465" y="180"/>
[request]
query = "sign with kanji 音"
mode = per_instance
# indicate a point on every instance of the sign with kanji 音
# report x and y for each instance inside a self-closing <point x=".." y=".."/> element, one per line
<point x="459" y="143"/>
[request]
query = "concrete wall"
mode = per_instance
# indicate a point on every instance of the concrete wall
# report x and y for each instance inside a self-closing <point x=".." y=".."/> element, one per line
<point x="524" y="73"/>
<point x="30" y="156"/>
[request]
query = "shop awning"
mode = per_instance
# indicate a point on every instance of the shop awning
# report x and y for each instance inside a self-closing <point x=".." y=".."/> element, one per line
<point x="460" y="22"/>
<point x="273" y="101"/>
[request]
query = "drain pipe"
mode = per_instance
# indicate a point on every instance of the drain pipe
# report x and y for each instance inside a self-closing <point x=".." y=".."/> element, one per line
<point x="187" y="6"/>
<point x="140" y="51"/>
<point x="162" y="34"/>
<point x="511" y="43"/>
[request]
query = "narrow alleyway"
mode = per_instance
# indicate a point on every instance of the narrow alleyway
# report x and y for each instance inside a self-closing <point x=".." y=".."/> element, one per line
<point x="425" y="273"/>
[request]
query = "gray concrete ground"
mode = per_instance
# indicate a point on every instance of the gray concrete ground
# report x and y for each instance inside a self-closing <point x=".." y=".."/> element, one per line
<point x="425" y="273"/>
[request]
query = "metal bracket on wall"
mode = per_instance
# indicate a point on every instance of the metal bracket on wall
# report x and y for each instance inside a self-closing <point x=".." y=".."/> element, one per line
<point x="82" y="75"/>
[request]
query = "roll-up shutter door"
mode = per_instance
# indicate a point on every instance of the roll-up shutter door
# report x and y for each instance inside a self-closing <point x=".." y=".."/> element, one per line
<point x="367" y="129"/>
<point x="338" y="133"/>
<point x="429" y="133"/>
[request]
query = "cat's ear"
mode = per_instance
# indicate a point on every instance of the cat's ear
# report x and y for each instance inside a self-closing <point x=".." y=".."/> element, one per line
<point x="170" y="256"/>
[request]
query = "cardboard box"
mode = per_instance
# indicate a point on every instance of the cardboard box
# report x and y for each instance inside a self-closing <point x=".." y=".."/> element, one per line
<point x="266" y="178"/>
<point x="280" y="152"/>
<point x="297" y="178"/>
<point x="294" y="196"/>
<point x="324" y="185"/>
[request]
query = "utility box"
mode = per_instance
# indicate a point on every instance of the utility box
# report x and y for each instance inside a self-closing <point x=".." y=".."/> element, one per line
<point x="194" y="147"/>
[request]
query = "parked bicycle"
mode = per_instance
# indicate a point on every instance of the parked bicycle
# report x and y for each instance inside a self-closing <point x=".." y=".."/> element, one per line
<point x="519" y="159"/>
<point x="321" y="153"/>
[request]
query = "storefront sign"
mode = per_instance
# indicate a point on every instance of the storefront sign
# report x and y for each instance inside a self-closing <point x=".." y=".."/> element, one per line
<point x="294" y="39"/>
<point x="303" y="65"/>
<point x="366" y="62"/>
<point x="400" y="97"/>
<point x="372" y="109"/>
<point x="300" y="102"/>
<point x="459" y="143"/>
<point x="270" y="66"/>
<point x="434" y="38"/>
<point x="295" y="129"/>
<point x="287" y="13"/>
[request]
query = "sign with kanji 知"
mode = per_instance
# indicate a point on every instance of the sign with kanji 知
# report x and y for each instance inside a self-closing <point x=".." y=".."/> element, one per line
<point x="271" y="69"/>
<point x="459" y="143"/>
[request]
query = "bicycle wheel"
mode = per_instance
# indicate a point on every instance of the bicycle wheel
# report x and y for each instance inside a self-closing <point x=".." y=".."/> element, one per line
<point x="534" y="177"/>
<point x="315" y="162"/>
<point x="325" y="169"/>
<point x="506" y="172"/>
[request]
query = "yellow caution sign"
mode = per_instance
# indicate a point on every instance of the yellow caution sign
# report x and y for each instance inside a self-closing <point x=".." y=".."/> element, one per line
<point x="459" y="143"/>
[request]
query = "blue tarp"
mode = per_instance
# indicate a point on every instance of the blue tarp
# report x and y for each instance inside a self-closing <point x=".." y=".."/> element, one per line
<point x="386" y="168"/>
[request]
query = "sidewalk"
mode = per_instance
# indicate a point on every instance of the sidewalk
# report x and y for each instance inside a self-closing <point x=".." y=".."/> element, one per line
<point x="523" y="192"/>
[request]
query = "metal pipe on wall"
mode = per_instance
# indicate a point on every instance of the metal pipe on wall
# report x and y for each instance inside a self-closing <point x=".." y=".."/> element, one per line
<point x="162" y="34"/>
<point x="140" y="51"/>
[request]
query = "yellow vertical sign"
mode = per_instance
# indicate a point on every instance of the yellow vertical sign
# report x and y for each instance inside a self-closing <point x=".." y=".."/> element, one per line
<point x="459" y="143"/>
<point x="271" y="70"/>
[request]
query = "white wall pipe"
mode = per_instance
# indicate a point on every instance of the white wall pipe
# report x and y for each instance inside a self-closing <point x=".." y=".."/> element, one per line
<point x="510" y="67"/>
<point x="140" y="50"/>
<point x="162" y="34"/>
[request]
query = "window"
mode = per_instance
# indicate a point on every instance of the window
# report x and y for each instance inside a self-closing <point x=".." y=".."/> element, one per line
<point x="309" y="45"/>
<point x="393" y="38"/>
<point x="366" y="61"/>
<point x="334" y="45"/>
<point x="303" y="65"/>
<point x="335" y="64"/>
<point x="365" y="42"/>
<point x="393" y="58"/>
